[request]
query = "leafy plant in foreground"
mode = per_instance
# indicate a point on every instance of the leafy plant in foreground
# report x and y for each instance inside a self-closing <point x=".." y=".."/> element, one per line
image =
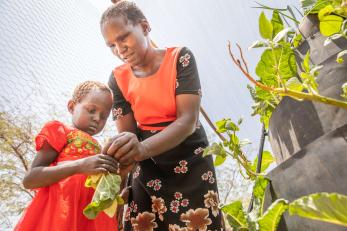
<point x="328" y="207"/>
<point x="276" y="69"/>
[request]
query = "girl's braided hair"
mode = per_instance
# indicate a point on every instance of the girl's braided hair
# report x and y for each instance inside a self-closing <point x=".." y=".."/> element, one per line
<point x="126" y="9"/>
<point x="84" y="88"/>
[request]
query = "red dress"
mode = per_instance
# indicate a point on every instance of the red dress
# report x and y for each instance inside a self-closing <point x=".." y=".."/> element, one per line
<point x="60" y="205"/>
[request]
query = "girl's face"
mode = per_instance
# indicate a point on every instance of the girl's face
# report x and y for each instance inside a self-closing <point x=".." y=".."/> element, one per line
<point x="127" y="41"/>
<point x="90" y="114"/>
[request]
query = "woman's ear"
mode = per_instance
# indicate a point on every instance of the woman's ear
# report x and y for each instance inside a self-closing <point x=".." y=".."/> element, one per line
<point x="70" y="106"/>
<point x="145" y="26"/>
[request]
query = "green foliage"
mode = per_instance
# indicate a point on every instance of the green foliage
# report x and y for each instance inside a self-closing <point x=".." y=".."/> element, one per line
<point x="235" y="215"/>
<point x="340" y="56"/>
<point x="330" y="24"/>
<point x="277" y="23"/>
<point x="344" y="89"/>
<point x="105" y="195"/>
<point x="278" y="77"/>
<point x="297" y="40"/>
<point x="294" y="84"/>
<point x="314" y="6"/>
<point x="276" y="65"/>
<point x="265" y="27"/>
<point x="270" y="219"/>
<point x="309" y="75"/>
<point x="266" y="161"/>
<point x="328" y="207"/>
<point x="16" y="153"/>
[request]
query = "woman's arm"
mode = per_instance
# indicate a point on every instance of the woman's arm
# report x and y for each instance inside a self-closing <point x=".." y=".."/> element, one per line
<point x="42" y="175"/>
<point x="127" y="148"/>
<point x="127" y="123"/>
<point x="187" y="115"/>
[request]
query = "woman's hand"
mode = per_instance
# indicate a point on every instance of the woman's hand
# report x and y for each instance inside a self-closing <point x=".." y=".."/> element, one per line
<point x="100" y="163"/>
<point x="126" y="148"/>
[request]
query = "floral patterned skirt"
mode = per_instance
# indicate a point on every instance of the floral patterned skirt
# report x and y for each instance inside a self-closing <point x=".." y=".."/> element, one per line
<point x="176" y="190"/>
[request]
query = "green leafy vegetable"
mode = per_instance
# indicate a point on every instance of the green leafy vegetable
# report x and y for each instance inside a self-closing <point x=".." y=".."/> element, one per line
<point x="105" y="196"/>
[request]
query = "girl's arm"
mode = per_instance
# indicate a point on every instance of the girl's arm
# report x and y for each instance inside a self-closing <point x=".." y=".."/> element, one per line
<point x="42" y="175"/>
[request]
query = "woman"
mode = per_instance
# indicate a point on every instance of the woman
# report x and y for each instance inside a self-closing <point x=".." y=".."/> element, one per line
<point x="156" y="108"/>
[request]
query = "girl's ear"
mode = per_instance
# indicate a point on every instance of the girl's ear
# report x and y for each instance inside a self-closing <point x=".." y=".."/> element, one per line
<point x="70" y="106"/>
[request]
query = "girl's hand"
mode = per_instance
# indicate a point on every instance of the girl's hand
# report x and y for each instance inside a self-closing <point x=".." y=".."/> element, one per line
<point x="100" y="163"/>
<point x="126" y="148"/>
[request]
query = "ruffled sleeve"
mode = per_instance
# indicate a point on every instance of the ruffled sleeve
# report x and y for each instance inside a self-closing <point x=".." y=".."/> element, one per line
<point x="54" y="134"/>
<point x="188" y="81"/>
<point x="121" y="107"/>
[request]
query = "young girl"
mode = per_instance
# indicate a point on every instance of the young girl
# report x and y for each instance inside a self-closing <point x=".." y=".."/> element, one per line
<point x="157" y="98"/>
<point x="66" y="155"/>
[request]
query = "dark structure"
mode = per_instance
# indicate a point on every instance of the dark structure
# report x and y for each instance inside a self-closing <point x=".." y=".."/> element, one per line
<point x="309" y="139"/>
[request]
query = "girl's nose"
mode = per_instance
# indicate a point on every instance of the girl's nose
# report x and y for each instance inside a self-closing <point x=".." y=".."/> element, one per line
<point x="96" y="117"/>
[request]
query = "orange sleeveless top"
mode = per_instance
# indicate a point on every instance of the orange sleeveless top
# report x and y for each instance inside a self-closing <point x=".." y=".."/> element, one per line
<point x="152" y="98"/>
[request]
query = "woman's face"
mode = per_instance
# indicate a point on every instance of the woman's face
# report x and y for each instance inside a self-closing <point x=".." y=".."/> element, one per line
<point x="127" y="41"/>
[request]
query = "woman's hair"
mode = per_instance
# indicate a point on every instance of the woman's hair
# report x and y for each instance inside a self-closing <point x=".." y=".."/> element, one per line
<point x="84" y="88"/>
<point x="126" y="9"/>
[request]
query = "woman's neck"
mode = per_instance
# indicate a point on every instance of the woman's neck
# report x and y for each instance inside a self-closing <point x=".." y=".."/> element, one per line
<point x="151" y="62"/>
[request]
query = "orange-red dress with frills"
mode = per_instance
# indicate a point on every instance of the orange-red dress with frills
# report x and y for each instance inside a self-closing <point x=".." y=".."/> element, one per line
<point x="60" y="205"/>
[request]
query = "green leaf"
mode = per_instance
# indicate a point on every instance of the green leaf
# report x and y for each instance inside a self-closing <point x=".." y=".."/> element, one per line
<point x="294" y="84"/>
<point x="328" y="207"/>
<point x="219" y="160"/>
<point x="306" y="62"/>
<point x="344" y="89"/>
<point x="234" y="139"/>
<point x="259" y="187"/>
<point x="235" y="215"/>
<point x="221" y="125"/>
<point x="309" y="81"/>
<point x="281" y="61"/>
<point x="266" y="161"/>
<point x="245" y="142"/>
<point x="277" y="23"/>
<point x="92" y="181"/>
<point x="231" y="126"/>
<point x="283" y="33"/>
<point x="327" y="10"/>
<point x="105" y="193"/>
<point x="214" y="149"/>
<point x="258" y="44"/>
<point x="313" y="6"/>
<point x="330" y="25"/>
<point x="270" y="219"/>
<point x="315" y="70"/>
<point x="265" y="27"/>
<point x="340" y="55"/>
<point x="297" y="40"/>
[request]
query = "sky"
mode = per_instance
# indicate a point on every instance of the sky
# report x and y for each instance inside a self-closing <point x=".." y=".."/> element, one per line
<point x="49" y="47"/>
